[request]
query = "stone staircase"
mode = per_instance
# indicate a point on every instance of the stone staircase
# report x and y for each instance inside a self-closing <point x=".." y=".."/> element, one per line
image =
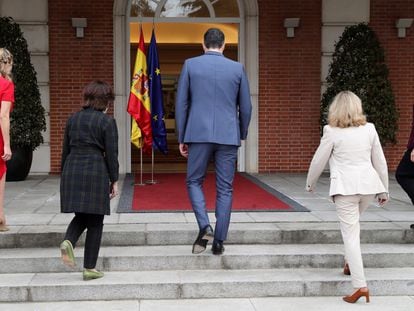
<point x="154" y="261"/>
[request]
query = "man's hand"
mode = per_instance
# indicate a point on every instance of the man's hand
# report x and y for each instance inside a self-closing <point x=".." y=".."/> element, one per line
<point x="184" y="150"/>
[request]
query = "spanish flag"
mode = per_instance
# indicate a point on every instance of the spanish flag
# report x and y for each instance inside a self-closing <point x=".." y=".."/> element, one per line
<point x="139" y="106"/>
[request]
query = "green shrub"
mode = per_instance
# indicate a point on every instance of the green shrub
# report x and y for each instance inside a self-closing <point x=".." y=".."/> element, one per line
<point x="27" y="120"/>
<point x="358" y="65"/>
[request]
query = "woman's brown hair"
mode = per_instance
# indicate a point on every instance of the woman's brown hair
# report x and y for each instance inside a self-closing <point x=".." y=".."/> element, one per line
<point x="98" y="95"/>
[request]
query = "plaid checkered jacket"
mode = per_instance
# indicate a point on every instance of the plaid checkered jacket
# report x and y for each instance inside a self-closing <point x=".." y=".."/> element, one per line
<point x="89" y="162"/>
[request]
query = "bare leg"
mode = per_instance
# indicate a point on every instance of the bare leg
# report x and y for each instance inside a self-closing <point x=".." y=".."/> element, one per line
<point x="3" y="226"/>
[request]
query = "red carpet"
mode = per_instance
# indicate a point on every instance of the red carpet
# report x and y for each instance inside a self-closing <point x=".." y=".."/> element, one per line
<point x="170" y="195"/>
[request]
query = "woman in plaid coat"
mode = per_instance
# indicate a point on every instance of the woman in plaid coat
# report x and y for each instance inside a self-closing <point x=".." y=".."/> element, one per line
<point x="89" y="174"/>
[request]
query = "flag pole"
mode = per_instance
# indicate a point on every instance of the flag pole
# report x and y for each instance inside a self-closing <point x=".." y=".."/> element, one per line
<point x="152" y="181"/>
<point x="140" y="183"/>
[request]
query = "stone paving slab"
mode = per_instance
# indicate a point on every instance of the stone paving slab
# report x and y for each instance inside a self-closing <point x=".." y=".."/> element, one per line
<point x="29" y="219"/>
<point x="115" y="305"/>
<point x="283" y="216"/>
<point x="331" y="216"/>
<point x="241" y="304"/>
<point x="397" y="215"/>
<point x="378" y="303"/>
<point x="152" y="218"/>
<point x="396" y="303"/>
<point x="35" y="201"/>
<point x="236" y="217"/>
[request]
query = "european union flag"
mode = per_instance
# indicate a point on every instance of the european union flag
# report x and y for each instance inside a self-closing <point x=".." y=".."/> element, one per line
<point x="159" y="134"/>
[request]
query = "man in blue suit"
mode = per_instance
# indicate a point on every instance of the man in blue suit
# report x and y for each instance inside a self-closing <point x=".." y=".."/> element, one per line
<point x="212" y="114"/>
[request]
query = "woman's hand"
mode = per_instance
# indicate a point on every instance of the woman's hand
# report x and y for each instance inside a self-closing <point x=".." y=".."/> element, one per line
<point x="7" y="154"/>
<point x="383" y="198"/>
<point x="114" y="190"/>
<point x="412" y="155"/>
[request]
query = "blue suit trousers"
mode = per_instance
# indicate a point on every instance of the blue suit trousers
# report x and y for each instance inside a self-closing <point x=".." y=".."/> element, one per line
<point x="225" y="158"/>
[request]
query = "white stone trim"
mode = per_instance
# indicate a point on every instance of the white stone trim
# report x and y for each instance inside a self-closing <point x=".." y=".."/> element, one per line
<point x="120" y="85"/>
<point x="336" y="15"/>
<point x="342" y="12"/>
<point x="248" y="56"/>
<point x="23" y="12"/>
<point x="33" y="21"/>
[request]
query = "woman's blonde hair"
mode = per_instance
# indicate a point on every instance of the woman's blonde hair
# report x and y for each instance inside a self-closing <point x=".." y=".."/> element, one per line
<point x="346" y="111"/>
<point x="5" y="58"/>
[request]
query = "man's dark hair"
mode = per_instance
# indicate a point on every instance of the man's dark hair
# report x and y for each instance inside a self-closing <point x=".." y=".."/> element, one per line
<point x="98" y="95"/>
<point x="213" y="38"/>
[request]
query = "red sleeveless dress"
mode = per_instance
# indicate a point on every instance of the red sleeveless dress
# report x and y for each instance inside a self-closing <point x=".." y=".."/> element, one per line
<point x="6" y="94"/>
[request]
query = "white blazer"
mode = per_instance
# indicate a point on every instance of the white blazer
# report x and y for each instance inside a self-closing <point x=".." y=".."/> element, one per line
<point x="356" y="161"/>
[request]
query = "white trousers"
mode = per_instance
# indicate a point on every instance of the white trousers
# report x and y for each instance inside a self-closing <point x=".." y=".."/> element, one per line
<point x="349" y="208"/>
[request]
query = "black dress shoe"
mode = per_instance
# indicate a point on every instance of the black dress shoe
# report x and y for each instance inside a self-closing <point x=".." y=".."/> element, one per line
<point x="217" y="248"/>
<point x="204" y="236"/>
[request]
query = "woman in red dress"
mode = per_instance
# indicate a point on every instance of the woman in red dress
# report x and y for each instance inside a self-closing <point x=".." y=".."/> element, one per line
<point x="6" y="105"/>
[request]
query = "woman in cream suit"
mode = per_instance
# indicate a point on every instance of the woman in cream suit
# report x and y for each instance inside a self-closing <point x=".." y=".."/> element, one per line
<point x="358" y="173"/>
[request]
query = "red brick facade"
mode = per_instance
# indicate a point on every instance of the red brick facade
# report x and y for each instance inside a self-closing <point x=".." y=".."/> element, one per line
<point x="289" y="85"/>
<point x="74" y="62"/>
<point x="399" y="55"/>
<point x="289" y="73"/>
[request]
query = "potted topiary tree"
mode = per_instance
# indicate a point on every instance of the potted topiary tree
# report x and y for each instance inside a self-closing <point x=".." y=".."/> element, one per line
<point x="27" y="120"/>
<point x="358" y="65"/>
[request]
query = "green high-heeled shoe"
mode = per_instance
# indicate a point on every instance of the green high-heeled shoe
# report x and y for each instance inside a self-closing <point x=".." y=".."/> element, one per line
<point x="91" y="274"/>
<point x="67" y="255"/>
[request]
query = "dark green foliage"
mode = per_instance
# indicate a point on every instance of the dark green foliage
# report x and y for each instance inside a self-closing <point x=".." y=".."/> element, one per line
<point x="27" y="121"/>
<point x="358" y="65"/>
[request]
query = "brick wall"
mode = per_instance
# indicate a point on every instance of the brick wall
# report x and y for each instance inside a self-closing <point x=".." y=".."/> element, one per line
<point x="289" y="80"/>
<point x="289" y="85"/>
<point x="289" y="73"/>
<point x="399" y="55"/>
<point x="74" y="62"/>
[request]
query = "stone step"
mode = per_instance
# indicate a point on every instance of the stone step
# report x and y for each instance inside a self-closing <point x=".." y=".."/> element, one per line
<point x="24" y="287"/>
<point x="240" y="233"/>
<point x="378" y="303"/>
<point x="236" y="257"/>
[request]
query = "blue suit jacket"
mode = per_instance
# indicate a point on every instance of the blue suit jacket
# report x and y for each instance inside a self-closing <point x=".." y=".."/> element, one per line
<point x="213" y="101"/>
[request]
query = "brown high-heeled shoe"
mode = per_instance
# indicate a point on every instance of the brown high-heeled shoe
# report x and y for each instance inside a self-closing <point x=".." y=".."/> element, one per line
<point x="356" y="295"/>
<point x="3" y="228"/>
<point x="346" y="269"/>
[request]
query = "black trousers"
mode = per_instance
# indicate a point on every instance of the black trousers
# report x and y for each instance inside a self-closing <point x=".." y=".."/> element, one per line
<point x="405" y="174"/>
<point x="94" y="224"/>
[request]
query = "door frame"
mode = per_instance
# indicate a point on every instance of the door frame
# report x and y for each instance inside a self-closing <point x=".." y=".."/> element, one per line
<point x="248" y="56"/>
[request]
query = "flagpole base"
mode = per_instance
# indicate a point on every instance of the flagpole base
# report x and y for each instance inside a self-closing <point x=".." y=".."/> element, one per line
<point x="139" y="184"/>
<point x="151" y="182"/>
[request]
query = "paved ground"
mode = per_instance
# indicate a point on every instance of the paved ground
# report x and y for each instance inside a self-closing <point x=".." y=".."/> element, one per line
<point x="389" y="303"/>
<point x="35" y="202"/>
